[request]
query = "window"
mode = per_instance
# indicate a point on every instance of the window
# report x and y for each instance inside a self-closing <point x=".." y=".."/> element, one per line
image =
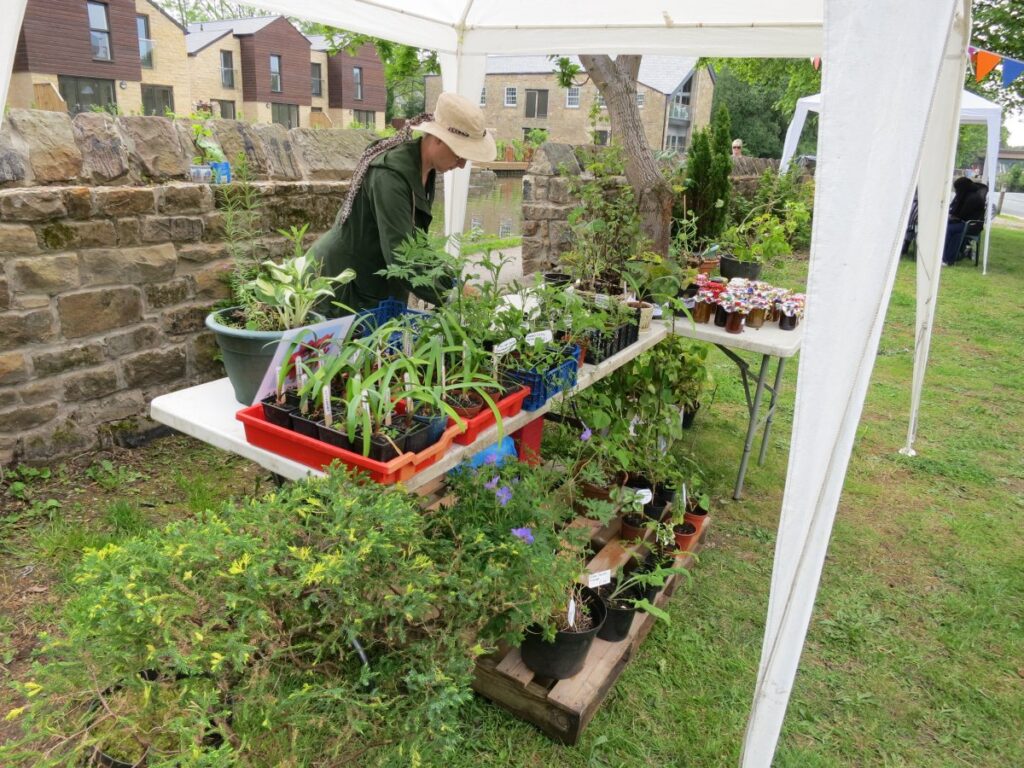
<point x="483" y="96"/>
<point x="601" y="138"/>
<point x="316" y="82"/>
<point x="84" y="93"/>
<point x="275" y="73"/>
<point x="511" y="96"/>
<point x="145" y="43"/>
<point x="357" y="81"/>
<point x="641" y="98"/>
<point x="365" y="117"/>
<point x="157" y="99"/>
<point x="285" y="114"/>
<point x="227" y="109"/>
<point x="227" y="69"/>
<point x="536" y="103"/>
<point x="99" y="31"/>
<point x="572" y="97"/>
<point x="505" y="228"/>
<point x="600" y="101"/>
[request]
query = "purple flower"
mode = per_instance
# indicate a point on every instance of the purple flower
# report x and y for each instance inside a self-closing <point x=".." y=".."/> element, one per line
<point x="491" y="484"/>
<point x="491" y="458"/>
<point x="523" y="533"/>
<point x="587" y="434"/>
<point x="504" y="495"/>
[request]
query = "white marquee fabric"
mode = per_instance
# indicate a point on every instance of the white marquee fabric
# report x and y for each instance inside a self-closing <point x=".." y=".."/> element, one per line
<point x="974" y="110"/>
<point x="866" y="173"/>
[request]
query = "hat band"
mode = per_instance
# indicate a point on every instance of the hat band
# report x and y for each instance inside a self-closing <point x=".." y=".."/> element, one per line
<point x="466" y="134"/>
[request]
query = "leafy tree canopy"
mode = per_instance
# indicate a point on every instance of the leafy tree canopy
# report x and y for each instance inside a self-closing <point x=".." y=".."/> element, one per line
<point x="755" y="118"/>
<point x="997" y="26"/>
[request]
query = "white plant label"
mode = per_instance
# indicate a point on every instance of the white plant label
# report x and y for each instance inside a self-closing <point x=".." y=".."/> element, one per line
<point x="546" y="336"/>
<point x="328" y="416"/>
<point x="684" y="498"/>
<point x="644" y="495"/>
<point x="599" y="579"/>
<point x="277" y="378"/>
<point x="506" y="346"/>
<point x="572" y="612"/>
<point x="601" y="299"/>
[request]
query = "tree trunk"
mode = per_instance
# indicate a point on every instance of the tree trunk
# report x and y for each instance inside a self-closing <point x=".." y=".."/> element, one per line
<point x="616" y="81"/>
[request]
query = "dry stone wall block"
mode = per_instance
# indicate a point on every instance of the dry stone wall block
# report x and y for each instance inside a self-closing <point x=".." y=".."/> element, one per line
<point x="142" y="337"/>
<point x="185" y="198"/>
<point x="156" y="146"/>
<point x="203" y="364"/>
<point x="13" y="368"/>
<point x="174" y="229"/>
<point x="167" y="294"/>
<point x="129" y="232"/>
<point x="67" y="358"/>
<point x="188" y="319"/>
<point x="88" y="385"/>
<point x="53" y="154"/>
<point x="202" y="253"/>
<point x="278" y="150"/>
<point x="32" y="205"/>
<point x="59" y="235"/>
<point x="12" y="158"/>
<point x="19" y="329"/>
<point x="155" y="367"/>
<point x="149" y="264"/>
<point x="78" y="201"/>
<point x="237" y="138"/>
<point x="124" y="201"/>
<point x="104" y="153"/>
<point x="47" y="274"/>
<point x="17" y="239"/>
<point x="90" y="312"/>
<point x="329" y="154"/>
<point x="211" y="283"/>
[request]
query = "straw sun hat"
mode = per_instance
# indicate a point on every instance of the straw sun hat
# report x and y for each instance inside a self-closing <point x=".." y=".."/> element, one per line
<point x="459" y="123"/>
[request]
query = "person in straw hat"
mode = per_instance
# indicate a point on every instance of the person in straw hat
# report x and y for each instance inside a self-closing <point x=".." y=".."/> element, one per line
<point x="390" y="198"/>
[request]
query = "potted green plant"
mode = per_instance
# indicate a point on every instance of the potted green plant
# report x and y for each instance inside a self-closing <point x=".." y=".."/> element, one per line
<point x="559" y="650"/>
<point x="759" y="237"/>
<point x="626" y="594"/>
<point x="272" y="300"/>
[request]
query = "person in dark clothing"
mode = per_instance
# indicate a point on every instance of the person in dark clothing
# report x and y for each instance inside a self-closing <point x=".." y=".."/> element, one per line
<point x="390" y="200"/>
<point x="968" y="205"/>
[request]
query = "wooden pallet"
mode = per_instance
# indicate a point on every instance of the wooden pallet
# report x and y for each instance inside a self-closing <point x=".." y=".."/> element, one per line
<point x="563" y="708"/>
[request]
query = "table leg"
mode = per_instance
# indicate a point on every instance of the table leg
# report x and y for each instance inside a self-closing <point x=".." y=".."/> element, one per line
<point x="771" y="411"/>
<point x="755" y="408"/>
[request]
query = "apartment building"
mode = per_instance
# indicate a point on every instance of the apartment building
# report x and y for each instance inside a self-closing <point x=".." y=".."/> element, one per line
<point x="521" y="94"/>
<point x="121" y="55"/>
<point x="353" y="89"/>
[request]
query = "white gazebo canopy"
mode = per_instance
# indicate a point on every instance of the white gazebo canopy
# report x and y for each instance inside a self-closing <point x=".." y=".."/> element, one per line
<point x="974" y="110"/>
<point x="866" y="174"/>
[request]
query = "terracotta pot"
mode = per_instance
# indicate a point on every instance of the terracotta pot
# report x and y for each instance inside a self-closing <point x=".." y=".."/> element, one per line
<point x="756" y="318"/>
<point x="696" y="518"/>
<point x="708" y="266"/>
<point x="632" y="528"/>
<point x="686" y="536"/>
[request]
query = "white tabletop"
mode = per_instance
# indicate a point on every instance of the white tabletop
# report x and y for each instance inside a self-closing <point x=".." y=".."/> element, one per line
<point x="207" y="413"/>
<point x="766" y="340"/>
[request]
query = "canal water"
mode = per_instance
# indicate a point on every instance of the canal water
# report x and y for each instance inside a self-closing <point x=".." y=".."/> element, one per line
<point x="495" y="206"/>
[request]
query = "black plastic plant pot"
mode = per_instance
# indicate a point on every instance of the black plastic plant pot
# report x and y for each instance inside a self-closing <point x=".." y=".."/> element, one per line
<point x="664" y="494"/>
<point x="334" y="435"/>
<point x="566" y="656"/>
<point x="654" y="510"/>
<point x="730" y="267"/>
<point x="382" y="449"/>
<point x="689" y="414"/>
<point x="279" y="413"/>
<point x="557" y="279"/>
<point x="435" y="424"/>
<point x="417" y="437"/>
<point x="304" y="426"/>
<point x="620" y="618"/>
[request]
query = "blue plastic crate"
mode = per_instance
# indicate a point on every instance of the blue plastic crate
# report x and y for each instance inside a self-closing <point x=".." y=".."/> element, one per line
<point x="547" y="383"/>
<point x="370" y="320"/>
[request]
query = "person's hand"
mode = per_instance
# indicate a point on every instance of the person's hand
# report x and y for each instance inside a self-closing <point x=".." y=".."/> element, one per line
<point x="470" y="290"/>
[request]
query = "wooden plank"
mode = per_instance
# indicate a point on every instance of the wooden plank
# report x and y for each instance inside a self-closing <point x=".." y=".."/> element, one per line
<point x="513" y="667"/>
<point x="530" y="704"/>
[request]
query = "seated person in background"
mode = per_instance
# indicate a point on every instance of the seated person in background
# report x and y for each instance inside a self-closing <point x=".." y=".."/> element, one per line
<point x="968" y="205"/>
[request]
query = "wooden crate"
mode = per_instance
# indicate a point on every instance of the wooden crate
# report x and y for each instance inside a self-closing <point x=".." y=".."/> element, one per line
<point x="563" y="708"/>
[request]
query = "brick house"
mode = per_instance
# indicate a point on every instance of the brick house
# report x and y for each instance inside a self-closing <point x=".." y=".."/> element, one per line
<point x="521" y="93"/>
<point x="84" y="54"/>
<point x="353" y="86"/>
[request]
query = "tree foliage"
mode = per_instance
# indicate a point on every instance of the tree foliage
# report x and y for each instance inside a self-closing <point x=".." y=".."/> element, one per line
<point x="790" y="78"/>
<point x="755" y="118"/>
<point x="997" y="26"/>
<point x="708" y="166"/>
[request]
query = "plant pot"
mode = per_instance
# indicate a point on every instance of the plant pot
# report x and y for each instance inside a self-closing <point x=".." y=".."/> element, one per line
<point x="787" y="322"/>
<point x="304" y="425"/>
<point x="381" y="448"/>
<point x="734" y="322"/>
<point x="696" y="517"/>
<point x="645" y="313"/>
<point x="466" y="404"/>
<point x="689" y="414"/>
<point x="557" y="279"/>
<point x="655" y="510"/>
<point x="279" y="413"/>
<point x="435" y="424"/>
<point x="417" y="436"/>
<point x="731" y="267"/>
<point x="632" y="528"/>
<point x="707" y="266"/>
<point x="664" y="494"/>
<point x="702" y="312"/>
<point x="686" y="536"/>
<point x="566" y="656"/>
<point x="721" y="316"/>
<point x="756" y="318"/>
<point x="334" y="436"/>
<point x="246" y="354"/>
<point x="620" y="618"/>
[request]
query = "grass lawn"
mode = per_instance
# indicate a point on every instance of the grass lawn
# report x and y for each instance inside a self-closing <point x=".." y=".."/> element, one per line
<point x="915" y="655"/>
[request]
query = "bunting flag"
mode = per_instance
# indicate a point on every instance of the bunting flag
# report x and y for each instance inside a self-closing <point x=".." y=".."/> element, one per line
<point x="985" y="61"/>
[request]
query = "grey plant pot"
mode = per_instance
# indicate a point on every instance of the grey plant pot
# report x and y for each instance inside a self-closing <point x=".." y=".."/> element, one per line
<point x="246" y="354"/>
<point x="731" y="267"/>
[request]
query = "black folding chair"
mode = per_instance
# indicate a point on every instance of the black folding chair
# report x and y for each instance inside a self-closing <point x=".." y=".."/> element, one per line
<point x="970" y="240"/>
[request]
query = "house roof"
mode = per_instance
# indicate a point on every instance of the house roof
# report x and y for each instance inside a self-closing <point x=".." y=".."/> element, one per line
<point x="318" y="42"/>
<point x="662" y="73"/>
<point x="203" y="33"/>
<point x="170" y="18"/>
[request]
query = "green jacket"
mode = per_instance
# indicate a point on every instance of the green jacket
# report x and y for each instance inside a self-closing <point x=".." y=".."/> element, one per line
<point x="390" y="206"/>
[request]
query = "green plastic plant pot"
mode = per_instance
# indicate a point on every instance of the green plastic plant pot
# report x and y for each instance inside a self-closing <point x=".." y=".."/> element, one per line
<point x="246" y="354"/>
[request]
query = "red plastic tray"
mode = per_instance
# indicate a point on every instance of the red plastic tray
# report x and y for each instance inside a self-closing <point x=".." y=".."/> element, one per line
<point x="508" y="406"/>
<point x="318" y="454"/>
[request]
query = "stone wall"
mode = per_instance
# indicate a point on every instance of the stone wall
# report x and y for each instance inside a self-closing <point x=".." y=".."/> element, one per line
<point x="104" y="285"/>
<point x="547" y="201"/>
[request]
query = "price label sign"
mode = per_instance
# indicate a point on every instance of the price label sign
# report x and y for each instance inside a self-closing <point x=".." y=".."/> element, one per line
<point x="328" y="416"/>
<point x="572" y="612"/>
<point x="546" y="336"/>
<point x="644" y="495"/>
<point x="599" y="579"/>
<point x="505" y="347"/>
